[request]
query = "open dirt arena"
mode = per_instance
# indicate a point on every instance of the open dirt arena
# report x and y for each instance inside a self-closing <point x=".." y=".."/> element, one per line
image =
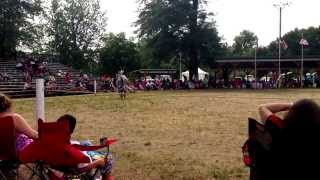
<point x="168" y="135"/>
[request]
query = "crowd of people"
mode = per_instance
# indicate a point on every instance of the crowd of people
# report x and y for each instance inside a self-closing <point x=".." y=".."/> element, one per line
<point x="149" y="84"/>
<point x="32" y="67"/>
<point x="159" y="83"/>
<point x="37" y="67"/>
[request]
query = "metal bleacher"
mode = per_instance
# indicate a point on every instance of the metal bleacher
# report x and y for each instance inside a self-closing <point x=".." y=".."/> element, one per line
<point x="15" y="86"/>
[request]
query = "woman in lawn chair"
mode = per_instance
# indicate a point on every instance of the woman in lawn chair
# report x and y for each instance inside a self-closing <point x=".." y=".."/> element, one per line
<point x="28" y="147"/>
<point x="287" y="148"/>
<point x="15" y="135"/>
<point x="54" y="153"/>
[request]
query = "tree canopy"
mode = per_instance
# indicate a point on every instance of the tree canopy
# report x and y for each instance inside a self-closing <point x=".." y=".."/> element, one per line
<point x="292" y="38"/>
<point x="76" y="27"/>
<point x="168" y="30"/>
<point x="245" y="43"/>
<point x="170" y="27"/>
<point x="17" y="24"/>
<point x="118" y="53"/>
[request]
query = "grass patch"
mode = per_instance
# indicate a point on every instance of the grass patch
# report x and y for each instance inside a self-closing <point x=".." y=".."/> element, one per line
<point x="168" y="135"/>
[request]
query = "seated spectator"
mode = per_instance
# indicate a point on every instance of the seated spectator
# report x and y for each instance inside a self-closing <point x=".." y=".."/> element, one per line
<point x="42" y="69"/>
<point x="27" y="77"/>
<point x="206" y="82"/>
<point x="51" y="82"/>
<point x="191" y="85"/>
<point x="5" y="77"/>
<point x="27" y="86"/>
<point x="104" y="164"/>
<point x="149" y="85"/>
<point x="19" y="66"/>
<point x="80" y="85"/>
<point x="85" y="78"/>
<point x="295" y="147"/>
<point x="24" y="132"/>
<point x="60" y="73"/>
<point x="67" y="78"/>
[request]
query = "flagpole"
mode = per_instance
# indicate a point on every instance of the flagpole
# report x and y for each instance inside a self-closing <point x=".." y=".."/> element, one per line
<point x="281" y="6"/>
<point x="280" y="42"/>
<point x="255" y="65"/>
<point x="301" y="75"/>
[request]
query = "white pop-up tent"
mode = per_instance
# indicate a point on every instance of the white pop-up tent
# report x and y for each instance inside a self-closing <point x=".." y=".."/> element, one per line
<point x="202" y="74"/>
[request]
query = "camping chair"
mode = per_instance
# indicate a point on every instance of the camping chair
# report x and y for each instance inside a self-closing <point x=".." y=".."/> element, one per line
<point x="9" y="161"/>
<point x="8" y="157"/>
<point x="53" y="152"/>
<point x="257" y="150"/>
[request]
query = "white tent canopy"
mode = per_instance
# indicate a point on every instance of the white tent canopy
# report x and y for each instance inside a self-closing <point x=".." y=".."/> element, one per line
<point x="201" y="74"/>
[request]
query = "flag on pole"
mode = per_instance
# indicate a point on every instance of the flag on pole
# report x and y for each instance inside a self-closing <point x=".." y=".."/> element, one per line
<point x="284" y="44"/>
<point x="304" y="42"/>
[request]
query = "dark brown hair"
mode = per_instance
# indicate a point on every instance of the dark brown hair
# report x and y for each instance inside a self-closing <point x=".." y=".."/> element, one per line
<point x="5" y="103"/>
<point x="71" y="120"/>
<point x="304" y="115"/>
<point x="297" y="150"/>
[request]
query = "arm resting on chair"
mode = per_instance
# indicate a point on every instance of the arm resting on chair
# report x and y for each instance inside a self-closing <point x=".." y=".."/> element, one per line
<point x="93" y="148"/>
<point x="265" y="110"/>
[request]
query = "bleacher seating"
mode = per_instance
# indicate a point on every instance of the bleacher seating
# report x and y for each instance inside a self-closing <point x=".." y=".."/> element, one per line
<point x="15" y="86"/>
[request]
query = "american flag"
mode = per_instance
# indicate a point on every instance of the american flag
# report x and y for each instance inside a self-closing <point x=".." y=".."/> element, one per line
<point x="304" y="42"/>
<point x="284" y="44"/>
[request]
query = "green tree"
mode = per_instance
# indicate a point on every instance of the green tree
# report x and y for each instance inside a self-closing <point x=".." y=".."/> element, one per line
<point x="292" y="38"/>
<point x="76" y="27"/>
<point x="16" y="24"/>
<point x="170" y="27"/>
<point x="118" y="53"/>
<point x="244" y="43"/>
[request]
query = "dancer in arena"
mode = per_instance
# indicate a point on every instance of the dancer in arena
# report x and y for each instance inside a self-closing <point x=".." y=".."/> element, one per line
<point x="122" y="83"/>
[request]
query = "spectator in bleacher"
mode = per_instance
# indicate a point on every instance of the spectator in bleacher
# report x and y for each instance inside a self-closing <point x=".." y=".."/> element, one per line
<point x="19" y="66"/>
<point x="27" y="77"/>
<point x="85" y="78"/>
<point x="67" y="78"/>
<point x="60" y="73"/>
<point x="51" y="82"/>
<point x="27" y="86"/>
<point x="41" y="69"/>
<point x="5" y="77"/>
<point x="80" y="86"/>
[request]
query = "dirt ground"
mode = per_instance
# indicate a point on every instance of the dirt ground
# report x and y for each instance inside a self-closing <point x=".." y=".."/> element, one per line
<point x="168" y="135"/>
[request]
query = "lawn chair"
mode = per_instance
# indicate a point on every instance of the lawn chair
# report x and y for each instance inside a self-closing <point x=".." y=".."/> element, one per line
<point x="53" y="152"/>
<point x="8" y="156"/>
<point x="9" y="160"/>
<point x="257" y="150"/>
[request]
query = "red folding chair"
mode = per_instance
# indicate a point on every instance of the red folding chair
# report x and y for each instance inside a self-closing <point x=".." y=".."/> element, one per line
<point x="8" y="156"/>
<point x="53" y="151"/>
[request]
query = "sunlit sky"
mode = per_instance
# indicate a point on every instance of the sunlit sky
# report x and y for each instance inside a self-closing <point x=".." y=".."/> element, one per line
<point x="232" y="16"/>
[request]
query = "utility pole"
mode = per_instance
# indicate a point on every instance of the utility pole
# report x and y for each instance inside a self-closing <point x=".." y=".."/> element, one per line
<point x="255" y="64"/>
<point x="180" y="73"/>
<point x="280" y="6"/>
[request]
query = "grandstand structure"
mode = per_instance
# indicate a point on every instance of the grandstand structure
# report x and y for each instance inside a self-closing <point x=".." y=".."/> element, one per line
<point x="14" y="87"/>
